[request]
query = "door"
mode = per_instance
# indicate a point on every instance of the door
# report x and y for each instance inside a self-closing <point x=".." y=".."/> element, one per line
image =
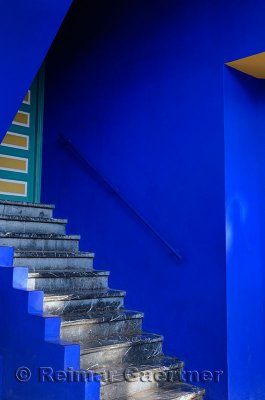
<point x="21" y="148"/>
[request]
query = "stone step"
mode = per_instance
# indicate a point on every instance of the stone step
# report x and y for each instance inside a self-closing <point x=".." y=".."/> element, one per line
<point x="68" y="280"/>
<point x="121" y="380"/>
<point x="120" y="349"/>
<point x="110" y="337"/>
<point x="26" y="209"/>
<point x="100" y="324"/>
<point x="32" y="241"/>
<point x="83" y="301"/>
<point x="22" y="224"/>
<point x="49" y="260"/>
<point x="169" y="391"/>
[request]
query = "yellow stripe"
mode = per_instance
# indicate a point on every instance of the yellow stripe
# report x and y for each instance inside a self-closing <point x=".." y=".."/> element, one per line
<point x="15" y="140"/>
<point x="15" y="188"/>
<point x="13" y="164"/>
<point x="252" y="65"/>
<point x="27" y="98"/>
<point x="21" y="119"/>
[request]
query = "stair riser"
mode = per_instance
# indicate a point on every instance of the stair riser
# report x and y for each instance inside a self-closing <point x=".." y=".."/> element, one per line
<point x="90" y="331"/>
<point x="73" y="283"/>
<point x="126" y="354"/>
<point x="133" y="383"/>
<point x="124" y="389"/>
<point x="56" y="263"/>
<point x="41" y="244"/>
<point x="32" y="227"/>
<point x="83" y="306"/>
<point x="26" y="211"/>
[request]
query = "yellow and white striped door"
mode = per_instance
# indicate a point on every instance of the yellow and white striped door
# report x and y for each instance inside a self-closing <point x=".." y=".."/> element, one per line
<point x="20" y="150"/>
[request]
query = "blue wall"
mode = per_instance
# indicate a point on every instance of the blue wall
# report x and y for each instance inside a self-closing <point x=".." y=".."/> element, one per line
<point x="27" y="29"/>
<point x="245" y="176"/>
<point x="138" y="87"/>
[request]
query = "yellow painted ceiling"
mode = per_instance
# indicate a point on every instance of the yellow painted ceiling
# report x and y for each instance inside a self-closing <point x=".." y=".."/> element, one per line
<point x="252" y="65"/>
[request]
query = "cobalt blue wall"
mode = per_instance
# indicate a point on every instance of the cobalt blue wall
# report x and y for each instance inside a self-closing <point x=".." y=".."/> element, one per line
<point x="27" y="29"/>
<point x="245" y="176"/>
<point x="138" y="87"/>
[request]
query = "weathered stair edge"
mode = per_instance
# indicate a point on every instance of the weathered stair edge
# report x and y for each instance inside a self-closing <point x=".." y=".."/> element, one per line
<point x="122" y="349"/>
<point x="26" y="209"/>
<point x="40" y="242"/>
<point x="169" y="391"/>
<point x="45" y="260"/>
<point x="101" y="324"/>
<point x="68" y="280"/>
<point x="38" y="225"/>
<point x="83" y="301"/>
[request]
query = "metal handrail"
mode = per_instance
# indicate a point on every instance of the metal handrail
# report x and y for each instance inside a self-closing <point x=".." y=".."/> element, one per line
<point x="67" y="143"/>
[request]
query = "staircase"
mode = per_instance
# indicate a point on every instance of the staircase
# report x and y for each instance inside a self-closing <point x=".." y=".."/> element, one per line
<point x="131" y="362"/>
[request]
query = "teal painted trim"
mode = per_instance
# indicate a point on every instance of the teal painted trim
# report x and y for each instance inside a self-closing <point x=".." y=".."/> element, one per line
<point x="39" y="134"/>
<point x="34" y="153"/>
<point x="31" y="132"/>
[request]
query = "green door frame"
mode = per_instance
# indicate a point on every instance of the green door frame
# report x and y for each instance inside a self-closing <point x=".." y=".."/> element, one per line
<point x="39" y="134"/>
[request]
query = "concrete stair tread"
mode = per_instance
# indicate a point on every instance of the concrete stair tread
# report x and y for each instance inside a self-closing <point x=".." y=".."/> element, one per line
<point x="161" y="363"/>
<point x="169" y="391"/>
<point x="56" y="259"/>
<point x="38" y="236"/>
<point x="41" y="241"/>
<point x="100" y="316"/>
<point x="68" y="273"/>
<point x="82" y="294"/>
<point x="24" y="218"/>
<point x="117" y="341"/>
<point x="26" y="204"/>
<point x="52" y="254"/>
